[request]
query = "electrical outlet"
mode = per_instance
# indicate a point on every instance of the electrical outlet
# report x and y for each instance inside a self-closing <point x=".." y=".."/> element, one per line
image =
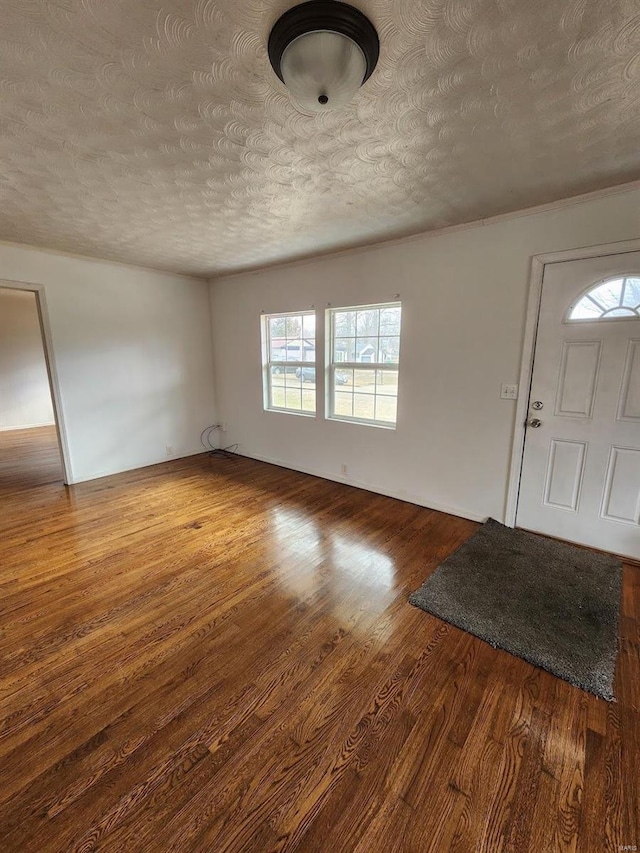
<point x="343" y="470"/>
<point x="509" y="392"/>
<point x="169" y="450"/>
<point x="223" y="426"/>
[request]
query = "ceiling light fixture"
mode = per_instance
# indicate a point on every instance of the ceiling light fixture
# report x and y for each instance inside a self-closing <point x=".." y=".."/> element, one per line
<point x="323" y="51"/>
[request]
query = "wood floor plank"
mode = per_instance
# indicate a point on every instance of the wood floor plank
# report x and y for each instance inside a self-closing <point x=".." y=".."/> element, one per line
<point x="218" y="654"/>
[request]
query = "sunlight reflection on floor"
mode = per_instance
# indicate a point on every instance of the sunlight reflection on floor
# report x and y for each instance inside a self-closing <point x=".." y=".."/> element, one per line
<point x="311" y="559"/>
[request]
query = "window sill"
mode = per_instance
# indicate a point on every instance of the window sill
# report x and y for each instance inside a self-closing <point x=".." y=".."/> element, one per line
<point x="360" y="422"/>
<point x="292" y="412"/>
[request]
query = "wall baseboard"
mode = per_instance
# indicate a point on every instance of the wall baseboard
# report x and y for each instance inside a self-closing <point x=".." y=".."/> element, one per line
<point x="460" y="512"/>
<point x="76" y="480"/>
<point x="27" y="426"/>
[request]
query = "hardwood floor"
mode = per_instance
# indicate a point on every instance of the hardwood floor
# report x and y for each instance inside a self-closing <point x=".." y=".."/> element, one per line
<point x="218" y="655"/>
<point x="28" y="458"/>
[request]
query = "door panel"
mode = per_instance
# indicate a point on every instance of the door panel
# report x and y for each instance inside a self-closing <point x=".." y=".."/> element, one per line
<point x="578" y="378"/>
<point x="564" y="474"/>
<point x="629" y="407"/>
<point x="620" y="500"/>
<point x="581" y="468"/>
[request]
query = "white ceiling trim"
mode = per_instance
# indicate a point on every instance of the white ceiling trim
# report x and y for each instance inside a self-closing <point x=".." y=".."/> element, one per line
<point x="630" y="186"/>
<point x="30" y="247"/>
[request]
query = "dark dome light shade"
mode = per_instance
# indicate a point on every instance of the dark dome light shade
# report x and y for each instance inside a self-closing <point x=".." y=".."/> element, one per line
<point x="323" y="51"/>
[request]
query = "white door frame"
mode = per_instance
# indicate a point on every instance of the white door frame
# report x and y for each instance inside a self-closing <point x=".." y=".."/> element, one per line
<point x="49" y="357"/>
<point x="538" y="263"/>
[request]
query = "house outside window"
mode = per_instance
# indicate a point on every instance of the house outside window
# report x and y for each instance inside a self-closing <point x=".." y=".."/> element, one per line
<point x="364" y="362"/>
<point x="289" y="362"/>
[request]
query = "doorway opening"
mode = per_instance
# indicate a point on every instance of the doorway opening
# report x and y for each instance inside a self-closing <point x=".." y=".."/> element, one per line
<point x="32" y="453"/>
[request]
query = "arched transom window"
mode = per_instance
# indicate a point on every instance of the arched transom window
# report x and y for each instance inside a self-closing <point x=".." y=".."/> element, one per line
<point x="617" y="298"/>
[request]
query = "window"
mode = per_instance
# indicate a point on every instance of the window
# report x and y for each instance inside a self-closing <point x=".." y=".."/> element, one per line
<point x="363" y="364"/>
<point x="289" y="362"/>
<point x="615" y="298"/>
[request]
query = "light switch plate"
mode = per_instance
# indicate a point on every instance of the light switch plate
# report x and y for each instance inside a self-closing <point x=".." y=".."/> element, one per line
<point x="509" y="392"/>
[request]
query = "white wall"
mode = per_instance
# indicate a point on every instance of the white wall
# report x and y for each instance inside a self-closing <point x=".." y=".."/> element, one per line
<point x="133" y="354"/>
<point x="464" y="296"/>
<point x="25" y="399"/>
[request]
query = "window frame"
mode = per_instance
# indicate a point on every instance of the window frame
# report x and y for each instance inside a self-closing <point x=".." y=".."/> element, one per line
<point x="268" y="363"/>
<point x="603" y="318"/>
<point x="332" y="365"/>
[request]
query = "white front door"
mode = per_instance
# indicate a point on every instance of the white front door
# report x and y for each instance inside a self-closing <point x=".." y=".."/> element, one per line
<point x="581" y="469"/>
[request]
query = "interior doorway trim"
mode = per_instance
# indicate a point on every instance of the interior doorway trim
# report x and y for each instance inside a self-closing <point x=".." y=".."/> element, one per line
<point x="49" y="357"/>
<point x="538" y="263"/>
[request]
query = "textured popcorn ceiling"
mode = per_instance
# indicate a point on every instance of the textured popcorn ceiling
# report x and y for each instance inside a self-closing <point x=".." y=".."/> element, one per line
<point x="155" y="132"/>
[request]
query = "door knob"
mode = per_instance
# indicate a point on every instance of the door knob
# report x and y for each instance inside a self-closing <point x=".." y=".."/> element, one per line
<point x="534" y="423"/>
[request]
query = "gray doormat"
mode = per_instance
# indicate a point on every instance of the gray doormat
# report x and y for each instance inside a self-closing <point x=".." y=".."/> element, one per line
<point x="555" y="605"/>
